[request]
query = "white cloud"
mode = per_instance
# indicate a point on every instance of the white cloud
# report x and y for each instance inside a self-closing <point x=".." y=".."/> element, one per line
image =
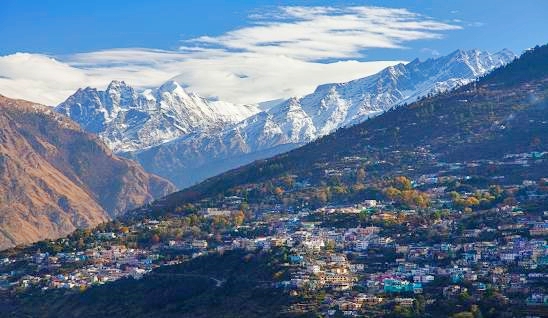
<point x="319" y="33"/>
<point x="37" y="77"/>
<point x="283" y="52"/>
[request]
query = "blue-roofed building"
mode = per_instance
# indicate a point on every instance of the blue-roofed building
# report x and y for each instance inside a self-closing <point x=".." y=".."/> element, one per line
<point x="296" y="259"/>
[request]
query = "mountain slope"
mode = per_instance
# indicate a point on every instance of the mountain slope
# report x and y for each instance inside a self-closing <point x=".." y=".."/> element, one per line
<point x="55" y="178"/>
<point x="128" y="121"/>
<point x="504" y="113"/>
<point x="183" y="290"/>
<point x="297" y="121"/>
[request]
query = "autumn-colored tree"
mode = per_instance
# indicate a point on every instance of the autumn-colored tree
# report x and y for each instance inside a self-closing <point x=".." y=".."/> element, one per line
<point x="124" y="229"/>
<point x="278" y="191"/>
<point x="407" y="196"/>
<point x="472" y="201"/>
<point x="238" y="218"/>
<point x="421" y="200"/>
<point x="402" y="183"/>
<point x="392" y="193"/>
<point x="278" y="275"/>
<point x="194" y="220"/>
<point x="411" y="198"/>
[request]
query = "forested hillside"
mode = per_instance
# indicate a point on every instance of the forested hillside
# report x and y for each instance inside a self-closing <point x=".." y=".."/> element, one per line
<point x="503" y="113"/>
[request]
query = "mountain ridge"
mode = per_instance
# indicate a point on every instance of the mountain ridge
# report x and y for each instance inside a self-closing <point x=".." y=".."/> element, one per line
<point x="55" y="178"/>
<point x="127" y="120"/>
<point x="506" y="108"/>
<point x="298" y="121"/>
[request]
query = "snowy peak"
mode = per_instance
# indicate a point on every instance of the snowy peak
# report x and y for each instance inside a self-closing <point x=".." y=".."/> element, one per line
<point x="118" y="97"/>
<point x="172" y="88"/>
<point x="101" y="104"/>
<point x="90" y="108"/>
<point x="119" y="86"/>
<point x="129" y="121"/>
<point x="461" y="64"/>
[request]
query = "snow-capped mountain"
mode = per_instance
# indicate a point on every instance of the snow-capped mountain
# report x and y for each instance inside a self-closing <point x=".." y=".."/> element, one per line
<point x="335" y="105"/>
<point x="287" y="125"/>
<point x="129" y="121"/>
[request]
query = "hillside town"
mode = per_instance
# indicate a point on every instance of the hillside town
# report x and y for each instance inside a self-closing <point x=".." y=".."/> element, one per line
<point x="364" y="258"/>
<point x="285" y="159"/>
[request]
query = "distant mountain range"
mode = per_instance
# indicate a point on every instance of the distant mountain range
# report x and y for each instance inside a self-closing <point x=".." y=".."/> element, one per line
<point x="187" y="138"/>
<point x="55" y="178"/>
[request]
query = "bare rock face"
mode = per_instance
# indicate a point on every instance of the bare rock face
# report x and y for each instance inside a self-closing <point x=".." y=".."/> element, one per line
<point x="55" y="178"/>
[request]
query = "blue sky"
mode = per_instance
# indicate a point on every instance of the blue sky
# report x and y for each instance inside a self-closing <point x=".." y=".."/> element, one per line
<point x="81" y="42"/>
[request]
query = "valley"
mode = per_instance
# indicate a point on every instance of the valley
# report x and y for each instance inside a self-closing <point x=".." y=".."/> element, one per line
<point x="432" y="208"/>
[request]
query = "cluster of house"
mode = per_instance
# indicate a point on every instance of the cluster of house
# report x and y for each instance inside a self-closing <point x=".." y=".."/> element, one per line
<point x="358" y="267"/>
<point x="96" y="265"/>
<point x="339" y="260"/>
<point x="512" y="260"/>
